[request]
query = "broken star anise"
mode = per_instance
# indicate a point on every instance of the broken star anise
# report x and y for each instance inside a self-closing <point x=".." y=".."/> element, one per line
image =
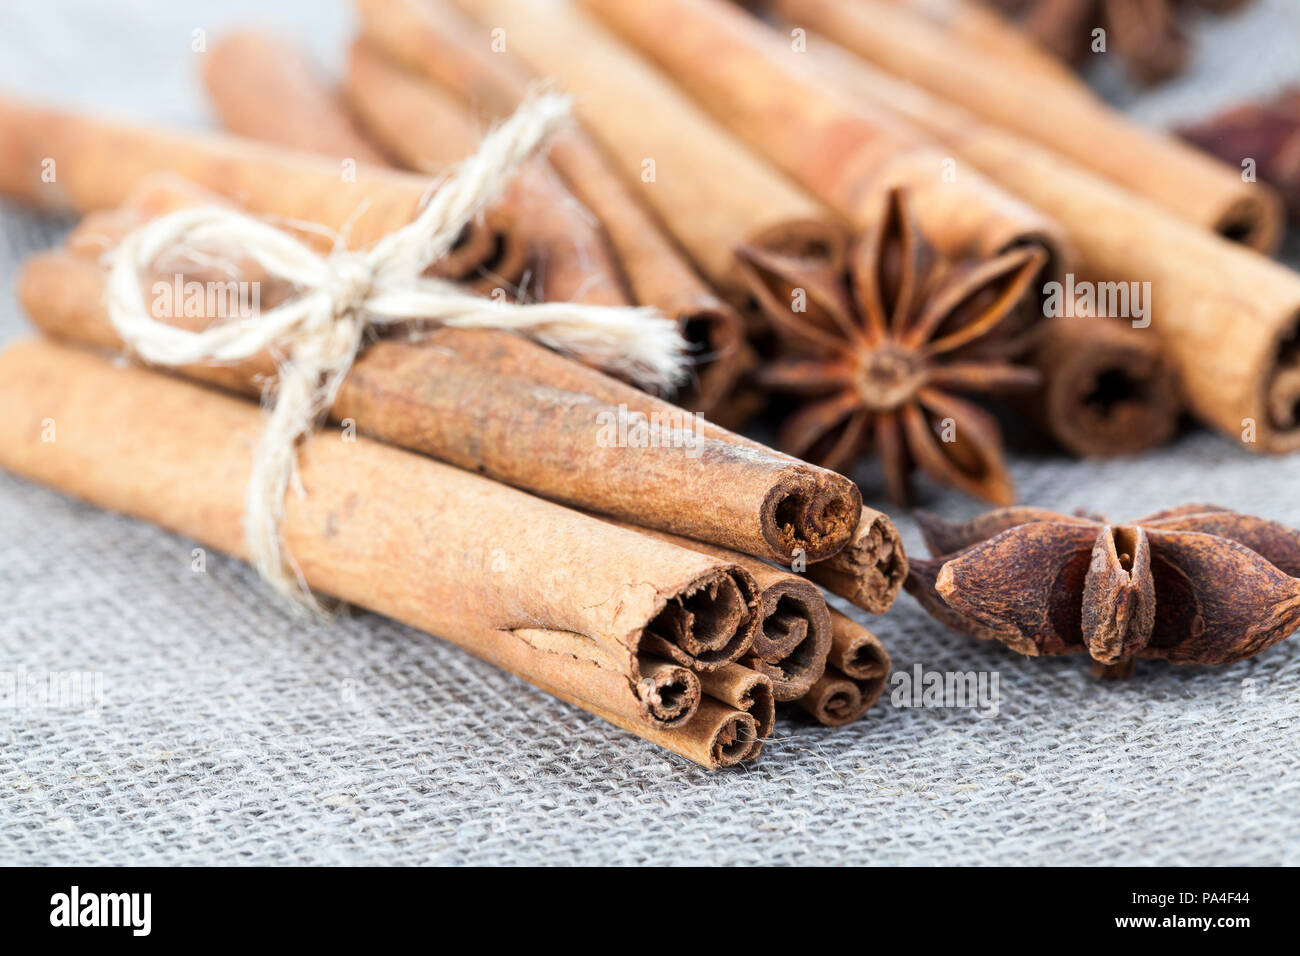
<point x="1192" y="585"/>
<point x="881" y="350"/>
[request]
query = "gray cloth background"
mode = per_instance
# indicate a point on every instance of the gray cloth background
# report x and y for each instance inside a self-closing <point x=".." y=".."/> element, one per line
<point x="231" y="733"/>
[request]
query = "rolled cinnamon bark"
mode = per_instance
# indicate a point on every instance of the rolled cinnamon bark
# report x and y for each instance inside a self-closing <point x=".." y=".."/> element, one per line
<point x="265" y="89"/>
<point x="568" y="604"/>
<point x="794" y="636"/>
<point x="855" y="675"/>
<point x="1228" y="318"/>
<point x="261" y="86"/>
<point x="716" y="736"/>
<point x="537" y="421"/>
<point x="1108" y="388"/>
<point x="973" y="22"/>
<point x="744" y="689"/>
<point x="428" y="131"/>
<point x="846" y="153"/>
<point x="870" y="569"/>
<point x="436" y="41"/>
<point x="794" y="633"/>
<point x="707" y="188"/>
<point x="67" y="161"/>
<point x="1050" y="108"/>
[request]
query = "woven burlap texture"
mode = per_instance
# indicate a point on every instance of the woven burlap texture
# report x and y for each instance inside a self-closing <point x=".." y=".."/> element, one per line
<point x="231" y="732"/>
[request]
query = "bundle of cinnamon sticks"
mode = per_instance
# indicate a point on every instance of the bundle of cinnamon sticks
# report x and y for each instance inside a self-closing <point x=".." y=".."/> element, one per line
<point x="637" y="574"/>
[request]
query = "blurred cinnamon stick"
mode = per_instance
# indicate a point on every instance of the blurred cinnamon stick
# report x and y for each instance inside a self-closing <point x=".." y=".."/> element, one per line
<point x="266" y="89"/>
<point x="1050" y="108"/>
<point x="1263" y="136"/>
<point x="263" y="86"/>
<point x="1108" y="390"/>
<point x="66" y="161"/>
<point x="708" y="189"/>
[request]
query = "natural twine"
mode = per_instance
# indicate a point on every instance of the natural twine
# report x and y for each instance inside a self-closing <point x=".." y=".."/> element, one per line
<point x="345" y="293"/>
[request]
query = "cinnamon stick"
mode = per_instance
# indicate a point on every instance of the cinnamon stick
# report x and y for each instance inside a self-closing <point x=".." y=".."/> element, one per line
<point x="707" y="188"/>
<point x="538" y="421"/>
<point x="1052" y="109"/>
<point x="855" y="675"/>
<point x="436" y="41"/>
<point x="974" y="23"/>
<point x="744" y="689"/>
<point x="566" y="605"/>
<point x="66" y="161"/>
<point x="429" y="131"/>
<point x="716" y="736"/>
<point x="848" y="153"/>
<point x="794" y="632"/>
<point x="261" y="86"/>
<point x="1108" y="388"/>
<point x="870" y="569"/>
<point x="1226" y="317"/>
<point x="265" y="89"/>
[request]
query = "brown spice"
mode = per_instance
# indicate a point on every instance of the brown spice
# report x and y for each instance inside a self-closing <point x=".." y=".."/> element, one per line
<point x="1226" y="318"/>
<point x="794" y="631"/>
<point x="705" y="186"/>
<point x="880" y="351"/>
<point x="1197" y="584"/>
<point x="870" y="569"/>
<point x="848" y="152"/>
<point x="855" y="675"/>
<point x="1108" y="388"/>
<point x="535" y="422"/>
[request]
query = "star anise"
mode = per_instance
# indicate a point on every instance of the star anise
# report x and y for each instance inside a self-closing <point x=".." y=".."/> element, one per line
<point x="1149" y="35"/>
<point x="881" y="350"/>
<point x="1267" y="132"/>
<point x="1192" y="585"/>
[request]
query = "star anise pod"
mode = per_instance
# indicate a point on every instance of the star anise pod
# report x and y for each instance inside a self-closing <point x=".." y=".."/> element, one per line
<point x="1266" y="132"/>
<point x="882" y="350"/>
<point x="1149" y="35"/>
<point x="1192" y="585"/>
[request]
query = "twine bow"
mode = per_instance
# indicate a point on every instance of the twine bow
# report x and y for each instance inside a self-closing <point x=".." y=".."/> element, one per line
<point x="345" y="293"/>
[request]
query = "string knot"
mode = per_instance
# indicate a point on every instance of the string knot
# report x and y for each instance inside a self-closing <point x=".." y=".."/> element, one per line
<point x="344" y="294"/>
<point x="351" y="276"/>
